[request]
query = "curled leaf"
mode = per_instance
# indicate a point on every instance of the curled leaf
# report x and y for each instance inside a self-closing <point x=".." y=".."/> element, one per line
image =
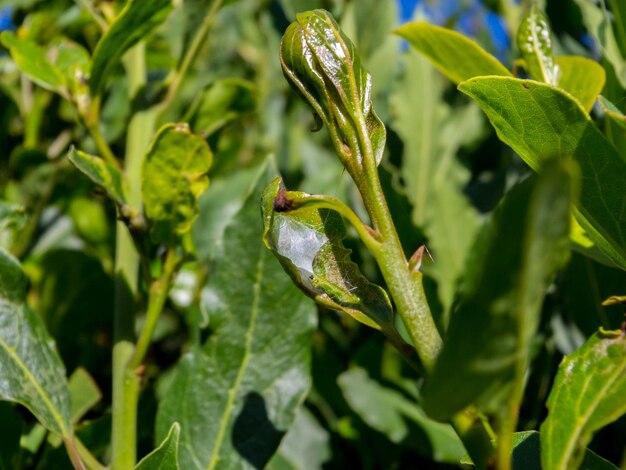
<point x="174" y="176"/>
<point x="322" y="64"/>
<point x="308" y="244"/>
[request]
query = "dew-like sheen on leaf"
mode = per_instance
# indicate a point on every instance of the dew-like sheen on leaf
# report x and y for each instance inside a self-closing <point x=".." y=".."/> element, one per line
<point x="308" y="243"/>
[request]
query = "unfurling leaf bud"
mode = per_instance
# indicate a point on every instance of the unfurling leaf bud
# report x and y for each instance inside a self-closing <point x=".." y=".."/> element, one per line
<point x="322" y="64"/>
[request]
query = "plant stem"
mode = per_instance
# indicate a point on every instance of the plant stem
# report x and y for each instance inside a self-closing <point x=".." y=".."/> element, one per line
<point x="87" y="5"/>
<point x="87" y="457"/>
<point x="72" y="452"/>
<point x="405" y="287"/>
<point x="125" y="381"/>
<point x="158" y="294"/>
<point x="177" y="76"/>
<point x="475" y="438"/>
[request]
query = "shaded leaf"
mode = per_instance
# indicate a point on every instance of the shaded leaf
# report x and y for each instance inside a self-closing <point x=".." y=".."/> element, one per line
<point x="236" y="395"/>
<point x="173" y="178"/>
<point x="12" y="220"/>
<point x="612" y="112"/>
<point x="222" y="102"/>
<point x="10" y="433"/>
<point x="598" y="23"/>
<point x="540" y="122"/>
<point x="31" y="60"/>
<point x="305" y="447"/>
<point x="31" y="370"/>
<point x="432" y="133"/>
<point x="135" y="22"/>
<point x="587" y="394"/>
<point x="527" y="454"/>
<point x="322" y="64"/>
<point x="164" y="457"/>
<point x="389" y="412"/>
<point x="84" y="393"/>
<point x="308" y="243"/>
<point x="511" y="264"/>
<point x="456" y="56"/>
<point x="534" y="40"/>
<point x="101" y="173"/>
<point x="581" y="77"/>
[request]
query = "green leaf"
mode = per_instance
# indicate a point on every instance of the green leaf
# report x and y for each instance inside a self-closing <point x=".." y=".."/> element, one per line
<point x="512" y="262"/>
<point x="101" y="173"/>
<point x="612" y="112"/>
<point x="164" y="457"/>
<point x="308" y="243"/>
<point x="31" y="60"/>
<point x="389" y="412"/>
<point x="432" y="133"/>
<point x="12" y="220"/>
<point x="196" y="12"/>
<point x="581" y="77"/>
<point x="598" y="23"/>
<point x="534" y="40"/>
<point x="31" y="370"/>
<point x="322" y="64"/>
<point x="527" y="454"/>
<point x="456" y="56"/>
<point x="305" y="447"/>
<point x="236" y="395"/>
<point x="588" y="393"/>
<point x="135" y="22"/>
<point x="221" y="103"/>
<point x="84" y="393"/>
<point x="174" y="176"/>
<point x="540" y="122"/>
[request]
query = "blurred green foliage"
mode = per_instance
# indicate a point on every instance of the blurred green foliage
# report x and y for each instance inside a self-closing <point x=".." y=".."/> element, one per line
<point x="444" y="171"/>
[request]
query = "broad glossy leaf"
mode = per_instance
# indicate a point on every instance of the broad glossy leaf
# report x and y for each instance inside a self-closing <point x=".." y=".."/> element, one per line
<point x="84" y="393"/>
<point x="236" y="395"/>
<point x="174" y="176"/>
<point x="512" y="262"/>
<point x="587" y="394"/>
<point x="101" y="173"/>
<point x="135" y="22"/>
<point x="308" y="243"/>
<point x="388" y="411"/>
<point x="534" y="40"/>
<point x="612" y="112"/>
<point x="164" y="457"/>
<point x="582" y="77"/>
<point x="305" y="447"/>
<point x="322" y="64"/>
<point x="541" y="122"/>
<point x="31" y="370"/>
<point x="456" y="56"/>
<point x="32" y="60"/>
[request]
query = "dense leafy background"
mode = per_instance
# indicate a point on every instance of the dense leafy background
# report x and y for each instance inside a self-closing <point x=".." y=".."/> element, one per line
<point x="444" y="166"/>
